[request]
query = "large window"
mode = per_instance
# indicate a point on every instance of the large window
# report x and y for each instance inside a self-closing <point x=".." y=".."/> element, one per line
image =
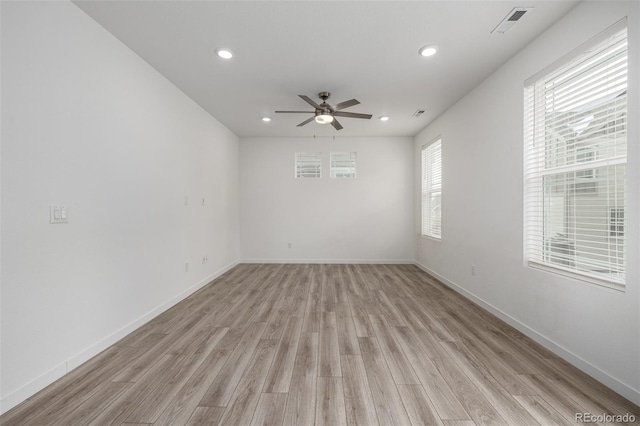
<point x="432" y="189"/>
<point x="308" y="165"/>
<point x="343" y="165"/>
<point x="575" y="162"/>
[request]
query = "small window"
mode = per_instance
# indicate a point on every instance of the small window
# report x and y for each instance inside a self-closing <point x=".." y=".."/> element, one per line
<point x="343" y="165"/>
<point x="308" y="165"/>
<point x="432" y="190"/>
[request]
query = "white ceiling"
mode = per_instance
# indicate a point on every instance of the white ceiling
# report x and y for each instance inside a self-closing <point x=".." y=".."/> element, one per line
<point x="366" y="50"/>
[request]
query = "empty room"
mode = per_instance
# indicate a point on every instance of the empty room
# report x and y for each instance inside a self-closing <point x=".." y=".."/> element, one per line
<point x="319" y="212"/>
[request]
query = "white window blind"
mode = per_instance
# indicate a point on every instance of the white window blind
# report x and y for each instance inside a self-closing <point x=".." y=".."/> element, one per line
<point x="575" y="163"/>
<point x="308" y="165"/>
<point x="432" y="189"/>
<point x="343" y="165"/>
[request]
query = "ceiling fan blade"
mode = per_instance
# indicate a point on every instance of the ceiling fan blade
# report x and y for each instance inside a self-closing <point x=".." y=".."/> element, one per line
<point x="351" y="115"/>
<point x="345" y="104"/>
<point x="295" y="112"/>
<point x="310" y="101"/>
<point x="306" y="121"/>
<point x="336" y="124"/>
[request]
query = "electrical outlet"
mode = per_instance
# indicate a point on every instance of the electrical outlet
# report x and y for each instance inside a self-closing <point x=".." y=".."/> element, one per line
<point x="58" y="214"/>
<point x="473" y="270"/>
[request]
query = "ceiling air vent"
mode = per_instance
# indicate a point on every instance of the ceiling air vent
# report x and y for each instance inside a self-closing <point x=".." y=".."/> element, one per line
<point x="512" y="17"/>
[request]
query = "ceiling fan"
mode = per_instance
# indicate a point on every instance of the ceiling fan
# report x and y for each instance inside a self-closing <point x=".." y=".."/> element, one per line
<point x="325" y="113"/>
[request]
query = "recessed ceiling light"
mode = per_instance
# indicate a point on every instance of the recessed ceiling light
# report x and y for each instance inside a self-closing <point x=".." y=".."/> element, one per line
<point x="428" y="50"/>
<point x="225" y="53"/>
<point x="266" y="119"/>
<point x="384" y="118"/>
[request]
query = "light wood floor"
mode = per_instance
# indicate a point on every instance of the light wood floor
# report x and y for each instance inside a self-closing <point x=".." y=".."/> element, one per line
<point x="323" y="344"/>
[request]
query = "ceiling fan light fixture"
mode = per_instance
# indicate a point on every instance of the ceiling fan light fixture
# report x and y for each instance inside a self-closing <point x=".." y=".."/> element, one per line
<point x="384" y="118"/>
<point x="324" y="119"/>
<point x="224" y="53"/>
<point x="266" y="119"/>
<point x="428" y="50"/>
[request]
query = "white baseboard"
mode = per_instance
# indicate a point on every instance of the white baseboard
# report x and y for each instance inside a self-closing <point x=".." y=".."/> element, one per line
<point x="334" y="261"/>
<point x="21" y="394"/>
<point x="606" y="379"/>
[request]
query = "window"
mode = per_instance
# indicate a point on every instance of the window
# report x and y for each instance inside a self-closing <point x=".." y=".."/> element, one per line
<point x="343" y="165"/>
<point x="432" y="189"/>
<point x="308" y="165"/>
<point x="575" y="162"/>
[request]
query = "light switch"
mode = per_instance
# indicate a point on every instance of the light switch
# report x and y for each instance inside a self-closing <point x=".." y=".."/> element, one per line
<point x="58" y="214"/>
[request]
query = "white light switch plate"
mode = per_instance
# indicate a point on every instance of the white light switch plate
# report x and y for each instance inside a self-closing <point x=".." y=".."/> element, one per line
<point x="58" y="214"/>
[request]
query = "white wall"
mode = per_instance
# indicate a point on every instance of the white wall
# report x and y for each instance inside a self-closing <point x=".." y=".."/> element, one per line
<point x="89" y="125"/>
<point x="595" y="328"/>
<point x="367" y="219"/>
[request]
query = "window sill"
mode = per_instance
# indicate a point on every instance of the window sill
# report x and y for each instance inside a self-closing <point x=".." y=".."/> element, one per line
<point x="577" y="276"/>
<point x="429" y="237"/>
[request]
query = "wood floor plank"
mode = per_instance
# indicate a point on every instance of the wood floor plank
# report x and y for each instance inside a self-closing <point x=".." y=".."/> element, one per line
<point x="343" y="310"/>
<point x="389" y="407"/>
<point x="418" y="405"/>
<point x="347" y="336"/>
<point x="503" y="402"/>
<point x="221" y="389"/>
<point x="328" y="290"/>
<point x="444" y="400"/>
<point x="359" y="406"/>
<point x="93" y="406"/>
<point x="298" y="298"/>
<point x="387" y="309"/>
<point x="311" y="321"/>
<point x="275" y="326"/>
<point x="430" y="344"/>
<point x="488" y="362"/>
<point x="182" y="406"/>
<point x="459" y="423"/>
<point x="157" y="390"/>
<point x="471" y="398"/>
<point x="432" y="323"/>
<point x="329" y="347"/>
<point x="205" y="416"/>
<point x="597" y="391"/>
<point x="245" y="397"/>
<point x="270" y="410"/>
<point x="301" y="400"/>
<point x="397" y="361"/>
<point x="293" y="344"/>
<point x="279" y="376"/>
<point x="360" y="316"/>
<point x="204" y="340"/>
<point x="330" y="402"/>
<point x="541" y="411"/>
<point x="560" y="401"/>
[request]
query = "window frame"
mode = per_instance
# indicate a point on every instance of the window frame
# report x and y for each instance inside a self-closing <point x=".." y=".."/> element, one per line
<point x="586" y="168"/>
<point x="428" y="190"/>
<point x="353" y="157"/>
<point x="297" y="165"/>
